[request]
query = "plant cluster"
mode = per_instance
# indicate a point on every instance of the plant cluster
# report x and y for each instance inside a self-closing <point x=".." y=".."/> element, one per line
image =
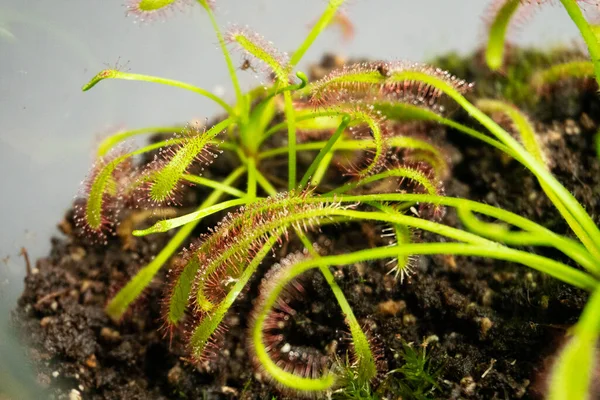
<point x="354" y="119"/>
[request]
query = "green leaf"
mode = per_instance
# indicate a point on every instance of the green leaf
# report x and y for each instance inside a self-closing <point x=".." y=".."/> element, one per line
<point x="494" y="54"/>
<point x="572" y="374"/>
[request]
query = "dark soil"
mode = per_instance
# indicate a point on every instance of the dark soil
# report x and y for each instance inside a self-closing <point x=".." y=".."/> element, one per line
<point x="491" y="327"/>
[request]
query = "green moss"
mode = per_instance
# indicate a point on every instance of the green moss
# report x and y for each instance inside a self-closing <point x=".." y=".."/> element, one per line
<point x="513" y="82"/>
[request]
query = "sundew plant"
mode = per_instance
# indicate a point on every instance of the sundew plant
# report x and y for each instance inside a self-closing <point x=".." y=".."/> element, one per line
<point x="367" y="167"/>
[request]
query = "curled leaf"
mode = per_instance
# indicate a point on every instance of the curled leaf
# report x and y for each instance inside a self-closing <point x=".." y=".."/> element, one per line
<point x="396" y="81"/>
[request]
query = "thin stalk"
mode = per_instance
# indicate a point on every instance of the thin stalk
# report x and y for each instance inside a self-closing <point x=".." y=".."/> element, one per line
<point x="324" y="151"/>
<point x="529" y="161"/>
<point x="214" y="184"/>
<point x="252" y="172"/>
<point x="321" y="170"/>
<point x="172" y="223"/>
<point x="528" y="137"/>
<point x="569" y="247"/>
<point x="265" y="184"/>
<point x="576" y="366"/>
<point x="398" y="141"/>
<point x="230" y="68"/>
<point x="430" y="226"/>
<point x="367" y="368"/>
<point x="109" y="142"/>
<point x="315" y="31"/>
<point x="282" y="125"/>
<point x="534" y="261"/>
<point x="494" y="53"/>
<point x="591" y="40"/>
<point x="399" y="172"/>
<point x="291" y="119"/>
<point x="575" y="277"/>
<point x="408" y="112"/>
<point x="115" y="74"/>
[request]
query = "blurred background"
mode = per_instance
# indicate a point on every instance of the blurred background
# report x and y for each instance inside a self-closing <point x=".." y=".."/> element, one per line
<point x="49" y="127"/>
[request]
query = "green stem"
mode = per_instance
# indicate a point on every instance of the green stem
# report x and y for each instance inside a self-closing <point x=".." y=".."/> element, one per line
<point x="282" y="125"/>
<point x="528" y="160"/>
<point x="291" y="120"/>
<point x="210" y="323"/>
<point x="109" y="142"/>
<point x="321" y="170"/>
<point x="494" y="54"/>
<point x="575" y="369"/>
<point x="587" y="33"/>
<point x="252" y="172"/>
<point x="534" y="261"/>
<point x="367" y="369"/>
<point x="214" y="184"/>
<point x="172" y="223"/>
<point x="265" y="184"/>
<point x="399" y="172"/>
<point x="315" y="31"/>
<point x="529" y="140"/>
<point x="324" y="150"/>
<point x="398" y="142"/>
<point x="290" y="380"/>
<point x="230" y="68"/>
<point x="430" y="226"/>
<point x="569" y="247"/>
<point x="409" y="112"/>
<point x="119" y="304"/>
<point x="115" y="74"/>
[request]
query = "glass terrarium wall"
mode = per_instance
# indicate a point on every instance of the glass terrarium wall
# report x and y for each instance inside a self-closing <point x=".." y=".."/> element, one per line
<point x="48" y="127"/>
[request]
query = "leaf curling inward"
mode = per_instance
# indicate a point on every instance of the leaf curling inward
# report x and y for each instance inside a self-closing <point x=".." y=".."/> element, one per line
<point x="370" y="124"/>
<point x="503" y="18"/>
<point x="582" y="70"/>
<point x="223" y="254"/>
<point x="98" y="204"/>
<point x="301" y="376"/>
<point x="380" y="80"/>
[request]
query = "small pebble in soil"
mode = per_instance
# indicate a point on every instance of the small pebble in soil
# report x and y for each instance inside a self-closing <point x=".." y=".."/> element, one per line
<point x="110" y="335"/>
<point x="229" y="390"/>
<point x="78" y="254"/>
<point x="485" y="324"/>
<point x="571" y="127"/>
<point x="74" y="394"/>
<point x="391" y="307"/>
<point x="286" y="348"/>
<point x="91" y="361"/>
<point x="44" y="322"/>
<point x="409" y="319"/>
<point x="468" y="384"/>
<point x="487" y="297"/>
<point x="174" y="375"/>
